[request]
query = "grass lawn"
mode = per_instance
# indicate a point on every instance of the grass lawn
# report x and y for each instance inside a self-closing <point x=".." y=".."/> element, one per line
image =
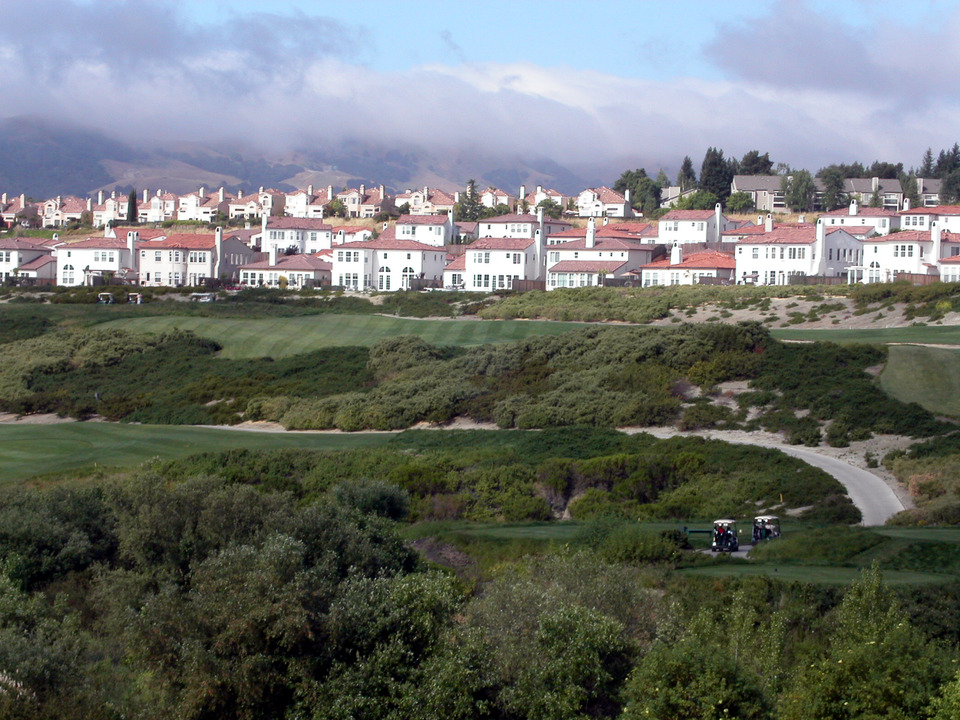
<point x="925" y="375"/>
<point x="926" y="534"/>
<point x="933" y="334"/>
<point x="279" y="337"/>
<point x="30" y="450"/>
<point x="818" y="575"/>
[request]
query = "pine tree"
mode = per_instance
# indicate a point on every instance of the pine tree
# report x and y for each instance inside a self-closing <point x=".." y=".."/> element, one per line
<point x="716" y="174"/>
<point x="926" y="167"/>
<point x="132" y="206"/>
<point x="687" y="178"/>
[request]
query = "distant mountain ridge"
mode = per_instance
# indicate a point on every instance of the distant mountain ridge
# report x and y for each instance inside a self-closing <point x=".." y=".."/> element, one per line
<point x="42" y="159"/>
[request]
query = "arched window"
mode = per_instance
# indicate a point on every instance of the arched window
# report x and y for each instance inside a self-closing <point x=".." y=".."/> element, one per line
<point x="874" y="272"/>
<point x="408" y="275"/>
<point x="68" y="274"/>
<point x="384" y="282"/>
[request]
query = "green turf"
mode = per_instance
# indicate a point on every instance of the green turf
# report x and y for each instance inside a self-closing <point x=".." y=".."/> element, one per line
<point x="279" y="337"/>
<point x="931" y="334"/>
<point x="926" y="534"/>
<point x="818" y="575"/>
<point x="925" y="375"/>
<point x="30" y="450"/>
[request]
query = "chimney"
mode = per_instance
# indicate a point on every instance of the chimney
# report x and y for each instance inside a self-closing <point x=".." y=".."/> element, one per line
<point x="260" y="190"/>
<point x="759" y="220"/>
<point x="768" y="223"/>
<point x="363" y="191"/>
<point x="385" y="226"/>
<point x="523" y="193"/>
<point x="676" y="254"/>
<point x="220" y="194"/>
<point x="382" y="193"/>
<point x="329" y="192"/>
<point x="146" y="195"/>
<point x="591" y="233"/>
<point x="935" y="236"/>
<point x="23" y="201"/>
<point x="853" y="207"/>
<point x="239" y="194"/>
<point x="717" y="216"/>
<point x="218" y="243"/>
<point x="456" y="196"/>
<point x="203" y="191"/>
<point x="906" y="204"/>
<point x="3" y="198"/>
<point x="309" y="191"/>
<point x="606" y="220"/>
<point x="273" y="255"/>
<point x="246" y="225"/>
<point x="875" y="184"/>
<point x="89" y="204"/>
<point x="426" y="193"/>
<point x="133" y="237"/>
<point x="626" y="195"/>
<point x="819" y="256"/>
<point x="801" y="219"/>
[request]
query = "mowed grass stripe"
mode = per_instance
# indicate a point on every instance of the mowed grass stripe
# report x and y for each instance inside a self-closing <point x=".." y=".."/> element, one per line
<point x="925" y="375"/>
<point x="281" y="337"/>
<point x="923" y="334"/>
<point x="30" y="450"/>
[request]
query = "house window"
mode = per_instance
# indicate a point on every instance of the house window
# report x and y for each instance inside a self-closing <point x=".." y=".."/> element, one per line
<point x="756" y="253"/>
<point x="158" y="256"/>
<point x="384" y="281"/>
<point x="516" y="258"/>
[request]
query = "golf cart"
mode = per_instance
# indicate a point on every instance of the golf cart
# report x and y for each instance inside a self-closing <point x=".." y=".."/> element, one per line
<point x="725" y="536"/>
<point x="105" y="298"/>
<point x="765" y="527"/>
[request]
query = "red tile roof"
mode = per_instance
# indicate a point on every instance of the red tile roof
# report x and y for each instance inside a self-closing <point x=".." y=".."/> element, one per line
<point x="501" y="243"/>
<point x="587" y="266"/>
<point x="290" y="223"/>
<point x="861" y="212"/>
<point x="605" y="243"/>
<point x="145" y="233"/>
<point x="458" y="263"/>
<point x="421" y="220"/>
<point x="710" y="259"/>
<point x="13" y="243"/>
<point x="784" y="236"/>
<point x="688" y="215"/>
<point x="38" y="263"/>
<point x="512" y="218"/>
<point x="937" y="210"/>
<point x="198" y="241"/>
<point x="98" y="243"/>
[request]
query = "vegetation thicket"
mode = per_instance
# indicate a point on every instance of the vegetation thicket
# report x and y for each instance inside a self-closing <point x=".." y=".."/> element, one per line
<point x="276" y="585"/>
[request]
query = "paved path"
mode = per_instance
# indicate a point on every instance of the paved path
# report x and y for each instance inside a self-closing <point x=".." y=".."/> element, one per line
<point x="872" y="496"/>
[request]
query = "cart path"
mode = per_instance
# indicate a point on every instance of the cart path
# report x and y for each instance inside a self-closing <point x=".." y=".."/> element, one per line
<point x="870" y="493"/>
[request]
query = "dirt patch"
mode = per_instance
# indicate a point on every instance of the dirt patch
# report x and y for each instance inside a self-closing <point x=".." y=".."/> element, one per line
<point x="444" y="554"/>
<point x="35" y="419"/>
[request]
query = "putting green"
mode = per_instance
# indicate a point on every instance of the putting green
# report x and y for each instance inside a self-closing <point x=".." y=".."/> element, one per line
<point x="27" y="451"/>
<point x="280" y="337"/>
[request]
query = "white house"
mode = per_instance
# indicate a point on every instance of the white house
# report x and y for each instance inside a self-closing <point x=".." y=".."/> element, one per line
<point x="604" y="202"/>
<point x="192" y="259"/>
<point x="159" y="208"/>
<point x="60" y="211"/>
<point x="909" y="251"/>
<point x="16" y="253"/>
<point x="292" y="271"/>
<point x="582" y="261"/>
<point x="863" y="190"/>
<point x="304" y="235"/>
<point x="492" y="197"/>
<point x="428" y="201"/>
<point x="351" y="233"/>
<point x="386" y="263"/>
<point x="493" y="263"/>
<point x="947" y="218"/>
<point x="680" y="227"/>
<point x="520" y="226"/>
<point x="883" y="221"/>
<point x="101" y="257"/>
<point x="436" y="230"/>
<point x="774" y="257"/>
<point x="11" y="207"/>
<point x="681" y="269"/>
<point x="454" y="272"/>
<point x="201" y="206"/>
<point x="536" y="197"/>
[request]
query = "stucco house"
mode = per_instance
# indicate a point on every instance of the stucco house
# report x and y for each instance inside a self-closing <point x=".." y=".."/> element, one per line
<point x="919" y="252"/>
<point x="604" y="202"/>
<point x="303" y="235"/>
<point x="436" y="230"/>
<point x="883" y="221"/>
<point x="682" y="269"/>
<point x="803" y="250"/>
<point x="292" y="271"/>
<point x="493" y="263"/>
<point x="680" y="227"/>
<point x="387" y="263"/>
<point x="15" y="253"/>
<point x="586" y="260"/>
<point x="187" y="259"/>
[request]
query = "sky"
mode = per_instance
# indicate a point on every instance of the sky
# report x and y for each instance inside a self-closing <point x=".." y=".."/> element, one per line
<point x="809" y="81"/>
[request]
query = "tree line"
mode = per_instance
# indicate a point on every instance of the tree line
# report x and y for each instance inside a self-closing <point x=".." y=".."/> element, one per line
<point x="803" y="190"/>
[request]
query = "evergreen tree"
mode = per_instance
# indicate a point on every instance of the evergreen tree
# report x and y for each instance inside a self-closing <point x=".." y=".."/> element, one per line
<point x="926" y="167"/>
<point x="910" y="190"/>
<point x="716" y="173"/>
<point x="799" y="191"/>
<point x="753" y="163"/>
<point x="687" y="178"/>
<point x="132" y="206"/>
<point x="833" y="194"/>
<point x="469" y="208"/>
<point x="662" y="179"/>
